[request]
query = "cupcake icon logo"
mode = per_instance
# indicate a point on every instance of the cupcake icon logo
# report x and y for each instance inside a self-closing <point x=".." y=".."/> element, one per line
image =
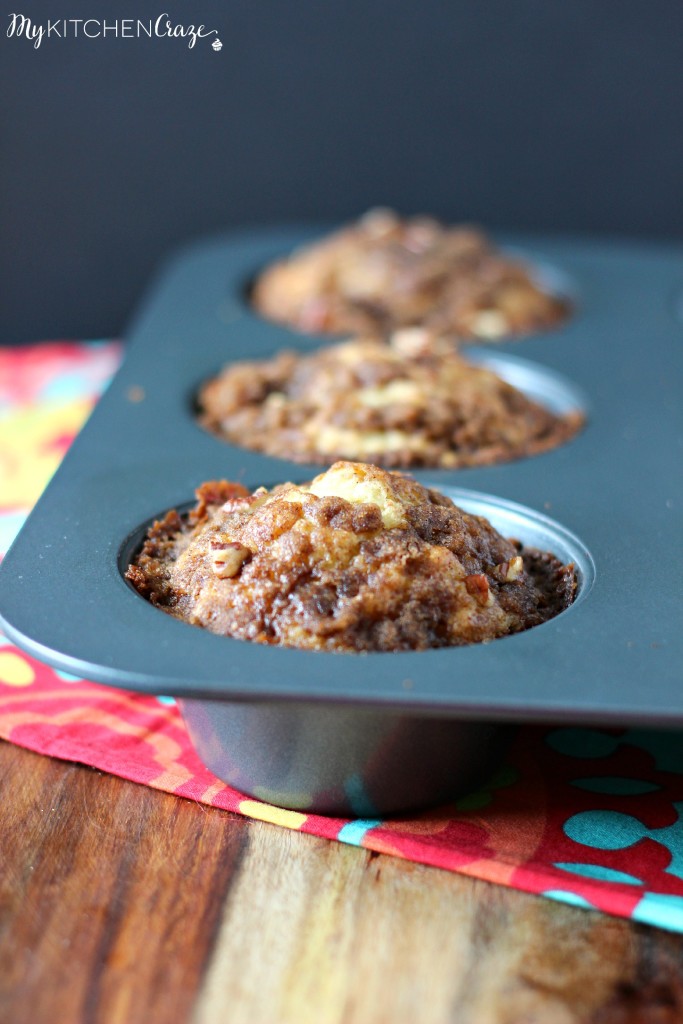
<point x="217" y="45"/>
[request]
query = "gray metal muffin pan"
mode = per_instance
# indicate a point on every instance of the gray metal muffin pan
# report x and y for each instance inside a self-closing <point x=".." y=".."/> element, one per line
<point x="376" y="733"/>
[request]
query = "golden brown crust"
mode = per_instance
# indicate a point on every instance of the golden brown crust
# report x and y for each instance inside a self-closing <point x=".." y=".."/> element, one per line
<point x="384" y="272"/>
<point x="413" y="402"/>
<point x="383" y="565"/>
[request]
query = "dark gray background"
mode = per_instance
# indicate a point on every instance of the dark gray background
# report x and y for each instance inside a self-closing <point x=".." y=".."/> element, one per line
<point x="551" y="115"/>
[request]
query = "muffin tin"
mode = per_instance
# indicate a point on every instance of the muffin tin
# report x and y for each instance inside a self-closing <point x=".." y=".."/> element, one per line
<point x="376" y="733"/>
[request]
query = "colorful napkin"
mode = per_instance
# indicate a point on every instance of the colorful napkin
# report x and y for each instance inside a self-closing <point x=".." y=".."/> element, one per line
<point x="591" y="817"/>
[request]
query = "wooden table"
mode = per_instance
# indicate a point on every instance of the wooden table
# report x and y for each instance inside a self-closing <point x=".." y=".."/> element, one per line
<point x="119" y="904"/>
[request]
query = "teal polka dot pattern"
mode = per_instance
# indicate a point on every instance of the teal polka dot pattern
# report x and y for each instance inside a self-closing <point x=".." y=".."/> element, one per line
<point x="666" y="748"/>
<point x="67" y="677"/>
<point x="581" y="742"/>
<point x="601" y="872"/>
<point x="354" y="832"/>
<point x="572" y="898"/>
<point x="660" y="909"/>
<point x="612" y="830"/>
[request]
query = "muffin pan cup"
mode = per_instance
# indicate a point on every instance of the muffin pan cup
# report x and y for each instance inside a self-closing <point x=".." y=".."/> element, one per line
<point x="377" y="733"/>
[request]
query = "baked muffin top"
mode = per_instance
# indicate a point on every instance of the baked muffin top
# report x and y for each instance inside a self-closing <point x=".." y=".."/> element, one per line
<point x="412" y="402"/>
<point x="385" y="272"/>
<point x="359" y="559"/>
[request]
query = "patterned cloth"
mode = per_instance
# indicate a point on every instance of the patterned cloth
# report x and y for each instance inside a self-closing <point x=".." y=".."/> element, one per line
<point x="587" y="816"/>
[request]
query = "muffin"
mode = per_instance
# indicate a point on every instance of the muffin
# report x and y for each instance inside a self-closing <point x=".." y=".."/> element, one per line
<point x="385" y="272"/>
<point x="408" y="403"/>
<point x="359" y="559"/>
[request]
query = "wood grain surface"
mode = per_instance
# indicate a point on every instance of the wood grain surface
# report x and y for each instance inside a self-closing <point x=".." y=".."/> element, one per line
<point x="121" y="905"/>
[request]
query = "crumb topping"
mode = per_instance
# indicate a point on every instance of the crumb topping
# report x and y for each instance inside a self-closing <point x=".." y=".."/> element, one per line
<point x="385" y="272"/>
<point x="413" y="402"/>
<point x="359" y="559"/>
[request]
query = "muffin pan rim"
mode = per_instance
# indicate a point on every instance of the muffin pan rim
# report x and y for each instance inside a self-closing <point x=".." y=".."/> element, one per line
<point x="557" y="702"/>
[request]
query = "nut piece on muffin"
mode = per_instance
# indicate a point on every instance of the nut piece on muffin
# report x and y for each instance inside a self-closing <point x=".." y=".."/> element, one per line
<point x="385" y="272"/>
<point x="412" y="402"/>
<point x="359" y="559"/>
